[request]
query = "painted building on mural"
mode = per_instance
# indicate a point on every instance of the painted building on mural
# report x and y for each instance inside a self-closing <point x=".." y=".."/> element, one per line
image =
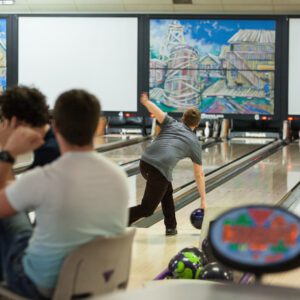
<point x="210" y="66"/>
<point x="250" y="59"/>
<point x="157" y="72"/>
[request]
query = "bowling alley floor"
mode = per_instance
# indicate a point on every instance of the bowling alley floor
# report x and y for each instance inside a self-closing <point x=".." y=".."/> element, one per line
<point x="265" y="182"/>
<point x="287" y="279"/>
<point x="152" y="250"/>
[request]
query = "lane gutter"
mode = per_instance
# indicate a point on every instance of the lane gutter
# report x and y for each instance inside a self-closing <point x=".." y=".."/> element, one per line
<point x="120" y="144"/>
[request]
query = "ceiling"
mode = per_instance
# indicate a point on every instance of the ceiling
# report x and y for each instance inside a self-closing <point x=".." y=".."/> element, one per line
<point x="154" y="6"/>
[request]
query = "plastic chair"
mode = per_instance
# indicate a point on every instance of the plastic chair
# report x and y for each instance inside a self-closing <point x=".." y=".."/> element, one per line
<point x="95" y="268"/>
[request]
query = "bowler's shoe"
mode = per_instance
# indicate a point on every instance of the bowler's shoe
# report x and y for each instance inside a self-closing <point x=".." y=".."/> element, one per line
<point x="171" y="231"/>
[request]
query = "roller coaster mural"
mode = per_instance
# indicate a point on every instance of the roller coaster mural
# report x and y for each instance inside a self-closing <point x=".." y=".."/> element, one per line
<point x="2" y="54"/>
<point x="220" y="66"/>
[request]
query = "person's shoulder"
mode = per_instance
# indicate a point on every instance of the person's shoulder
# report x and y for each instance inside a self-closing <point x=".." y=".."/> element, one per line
<point x="113" y="173"/>
<point x="168" y="120"/>
<point x="36" y="175"/>
<point x="45" y="155"/>
<point x="109" y="167"/>
<point x="51" y="143"/>
<point x="194" y="141"/>
<point x="52" y="166"/>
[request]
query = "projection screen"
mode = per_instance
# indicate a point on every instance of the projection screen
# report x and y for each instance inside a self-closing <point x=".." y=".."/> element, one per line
<point x="98" y="54"/>
<point x="294" y="66"/>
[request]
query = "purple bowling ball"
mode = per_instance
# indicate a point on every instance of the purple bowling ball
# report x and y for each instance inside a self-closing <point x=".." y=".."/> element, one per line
<point x="197" y="217"/>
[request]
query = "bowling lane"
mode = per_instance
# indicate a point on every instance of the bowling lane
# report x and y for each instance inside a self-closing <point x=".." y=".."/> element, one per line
<point x="111" y="139"/>
<point x="213" y="158"/>
<point x="266" y="182"/>
<point x="127" y="154"/>
<point x="101" y="140"/>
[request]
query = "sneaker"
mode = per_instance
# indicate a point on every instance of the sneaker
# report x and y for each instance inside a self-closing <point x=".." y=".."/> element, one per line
<point x="171" y="231"/>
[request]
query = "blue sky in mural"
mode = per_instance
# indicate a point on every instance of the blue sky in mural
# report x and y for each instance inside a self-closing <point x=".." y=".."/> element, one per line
<point x="206" y="35"/>
<point x="3" y="27"/>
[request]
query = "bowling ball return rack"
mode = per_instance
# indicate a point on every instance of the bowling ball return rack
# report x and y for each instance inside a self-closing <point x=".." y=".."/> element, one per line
<point x="254" y="239"/>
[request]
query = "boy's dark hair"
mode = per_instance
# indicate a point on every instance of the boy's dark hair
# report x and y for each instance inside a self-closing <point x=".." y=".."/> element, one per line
<point x="76" y="115"/>
<point x="26" y="104"/>
<point x="191" y="117"/>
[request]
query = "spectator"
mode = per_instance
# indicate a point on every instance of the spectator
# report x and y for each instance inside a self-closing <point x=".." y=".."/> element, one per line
<point x="76" y="198"/>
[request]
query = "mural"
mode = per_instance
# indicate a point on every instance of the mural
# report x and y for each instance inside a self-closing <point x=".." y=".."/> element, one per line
<point x="2" y="54"/>
<point x="220" y="66"/>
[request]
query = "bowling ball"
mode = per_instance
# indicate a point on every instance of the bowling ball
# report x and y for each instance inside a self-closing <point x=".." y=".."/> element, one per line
<point x="185" y="266"/>
<point x="216" y="271"/>
<point x="202" y="257"/>
<point x="196" y="217"/>
<point x="206" y="249"/>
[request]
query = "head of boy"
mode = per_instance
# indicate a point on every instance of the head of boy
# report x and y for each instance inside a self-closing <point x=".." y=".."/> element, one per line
<point x="27" y="105"/>
<point x="76" y="115"/>
<point x="191" y="117"/>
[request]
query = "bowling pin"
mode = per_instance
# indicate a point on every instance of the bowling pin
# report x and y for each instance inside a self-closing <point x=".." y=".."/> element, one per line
<point x="206" y="130"/>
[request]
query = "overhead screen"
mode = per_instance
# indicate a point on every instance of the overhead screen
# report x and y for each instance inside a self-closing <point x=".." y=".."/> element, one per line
<point x="294" y="66"/>
<point x="98" y="54"/>
<point x="220" y="66"/>
<point x="3" y="60"/>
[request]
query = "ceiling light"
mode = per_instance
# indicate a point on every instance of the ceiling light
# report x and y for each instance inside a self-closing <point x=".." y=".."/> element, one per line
<point x="7" y="2"/>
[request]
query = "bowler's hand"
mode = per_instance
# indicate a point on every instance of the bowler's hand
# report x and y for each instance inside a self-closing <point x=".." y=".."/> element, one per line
<point x="144" y="98"/>
<point x="22" y="140"/>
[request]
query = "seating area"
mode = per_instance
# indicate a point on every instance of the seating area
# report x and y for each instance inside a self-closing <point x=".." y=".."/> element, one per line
<point x="95" y="268"/>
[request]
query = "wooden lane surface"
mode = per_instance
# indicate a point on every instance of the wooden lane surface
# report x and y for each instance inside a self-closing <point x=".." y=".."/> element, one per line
<point x="128" y="153"/>
<point x="112" y="138"/>
<point x="287" y="279"/>
<point x="266" y="182"/>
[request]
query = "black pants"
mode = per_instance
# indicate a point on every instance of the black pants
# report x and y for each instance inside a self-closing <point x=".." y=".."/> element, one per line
<point x="158" y="190"/>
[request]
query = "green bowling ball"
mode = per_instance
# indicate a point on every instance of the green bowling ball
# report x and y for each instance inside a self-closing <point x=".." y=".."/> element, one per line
<point x="185" y="266"/>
